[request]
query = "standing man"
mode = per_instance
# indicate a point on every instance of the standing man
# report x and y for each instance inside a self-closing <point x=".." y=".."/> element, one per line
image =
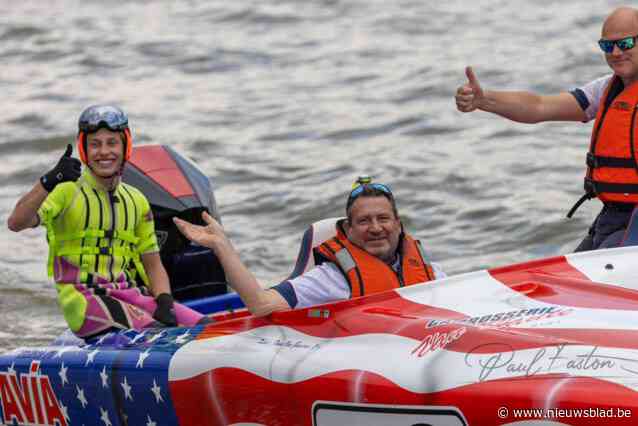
<point x="101" y="234"/>
<point x="612" y="100"/>
<point x="370" y="254"/>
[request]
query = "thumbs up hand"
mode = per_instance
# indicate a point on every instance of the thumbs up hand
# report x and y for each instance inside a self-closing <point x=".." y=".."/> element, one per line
<point x="67" y="169"/>
<point x="469" y="96"/>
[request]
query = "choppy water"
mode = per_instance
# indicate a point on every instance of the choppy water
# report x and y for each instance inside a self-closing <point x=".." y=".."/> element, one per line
<point x="284" y="103"/>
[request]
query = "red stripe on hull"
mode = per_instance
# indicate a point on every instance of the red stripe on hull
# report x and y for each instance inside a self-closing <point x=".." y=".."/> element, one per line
<point x="391" y="314"/>
<point x="555" y="281"/>
<point x="227" y="396"/>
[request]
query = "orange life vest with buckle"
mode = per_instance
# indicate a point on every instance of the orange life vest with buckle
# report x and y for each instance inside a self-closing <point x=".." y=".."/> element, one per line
<point x="612" y="160"/>
<point x="366" y="273"/>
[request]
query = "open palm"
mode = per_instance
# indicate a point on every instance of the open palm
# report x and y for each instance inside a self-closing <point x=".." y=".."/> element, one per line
<point x="209" y="236"/>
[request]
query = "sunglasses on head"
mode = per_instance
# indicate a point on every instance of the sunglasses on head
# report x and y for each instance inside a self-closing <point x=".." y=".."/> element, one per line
<point x="357" y="191"/>
<point x="623" y="44"/>
<point x="100" y="116"/>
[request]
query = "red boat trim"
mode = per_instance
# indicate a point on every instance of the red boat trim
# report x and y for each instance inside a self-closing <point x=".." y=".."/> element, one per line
<point x="156" y="163"/>
<point x="555" y="281"/>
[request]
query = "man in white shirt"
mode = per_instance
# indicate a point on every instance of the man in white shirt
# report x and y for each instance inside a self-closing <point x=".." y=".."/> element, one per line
<point x="612" y="161"/>
<point x="370" y="253"/>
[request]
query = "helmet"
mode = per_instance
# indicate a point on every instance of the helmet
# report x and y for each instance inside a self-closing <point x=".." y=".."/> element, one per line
<point x="109" y="117"/>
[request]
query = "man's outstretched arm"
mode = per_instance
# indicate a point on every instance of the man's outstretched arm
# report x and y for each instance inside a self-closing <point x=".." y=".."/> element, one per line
<point x="520" y="106"/>
<point x="259" y="302"/>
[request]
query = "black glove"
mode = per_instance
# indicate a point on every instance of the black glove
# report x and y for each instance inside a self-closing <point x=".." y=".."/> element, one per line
<point x="165" y="312"/>
<point x="67" y="169"/>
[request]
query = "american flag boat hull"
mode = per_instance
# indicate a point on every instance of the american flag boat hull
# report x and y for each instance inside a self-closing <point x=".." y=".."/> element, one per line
<point x="547" y="342"/>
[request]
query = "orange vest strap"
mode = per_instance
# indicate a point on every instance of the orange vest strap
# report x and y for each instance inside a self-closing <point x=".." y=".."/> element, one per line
<point x="367" y="274"/>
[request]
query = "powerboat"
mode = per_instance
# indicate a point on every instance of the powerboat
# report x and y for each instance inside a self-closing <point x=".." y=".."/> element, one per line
<point x="552" y="341"/>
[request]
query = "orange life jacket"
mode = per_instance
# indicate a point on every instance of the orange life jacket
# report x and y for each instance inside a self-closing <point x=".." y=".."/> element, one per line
<point x="366" y="273"/>
<point x="612" y="160"/>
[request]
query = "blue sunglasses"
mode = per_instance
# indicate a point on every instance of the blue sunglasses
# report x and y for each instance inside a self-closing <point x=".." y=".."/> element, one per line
<point x="356" y="192"/>
<point x="98" y="116"/>
<point x="623" y="44"/>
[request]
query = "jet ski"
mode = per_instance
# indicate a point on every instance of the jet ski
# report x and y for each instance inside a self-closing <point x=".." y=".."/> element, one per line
<point x="176" y="187"/>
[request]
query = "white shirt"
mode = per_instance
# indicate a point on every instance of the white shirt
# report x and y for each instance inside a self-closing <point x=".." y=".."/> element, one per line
<point x="325" y="283"/>
<point x="589" y="95"/>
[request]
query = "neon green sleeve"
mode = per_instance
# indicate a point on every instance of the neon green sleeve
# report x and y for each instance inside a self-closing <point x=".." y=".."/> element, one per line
<point x="145" y="230"/>
<point x="55" y="202"/>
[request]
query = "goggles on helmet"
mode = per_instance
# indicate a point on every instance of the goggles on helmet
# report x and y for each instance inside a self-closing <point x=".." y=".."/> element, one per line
<point x="98" y="116"/>
<point x="109" y="117"/>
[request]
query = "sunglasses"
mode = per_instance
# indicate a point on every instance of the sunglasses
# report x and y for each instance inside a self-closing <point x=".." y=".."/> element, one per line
<point x="356" y="192"/>
<point x="623" y="44"/>
<point x="100" y="116"/>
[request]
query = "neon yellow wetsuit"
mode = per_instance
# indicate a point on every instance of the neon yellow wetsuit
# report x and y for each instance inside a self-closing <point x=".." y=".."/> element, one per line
<point x="96" y="238"/>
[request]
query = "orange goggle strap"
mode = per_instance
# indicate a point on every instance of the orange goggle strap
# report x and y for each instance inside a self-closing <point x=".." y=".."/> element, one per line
<point x="127" y="149"/>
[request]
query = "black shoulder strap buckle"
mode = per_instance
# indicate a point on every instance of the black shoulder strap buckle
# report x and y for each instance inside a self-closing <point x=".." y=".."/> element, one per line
<point x="581" y="200"/>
